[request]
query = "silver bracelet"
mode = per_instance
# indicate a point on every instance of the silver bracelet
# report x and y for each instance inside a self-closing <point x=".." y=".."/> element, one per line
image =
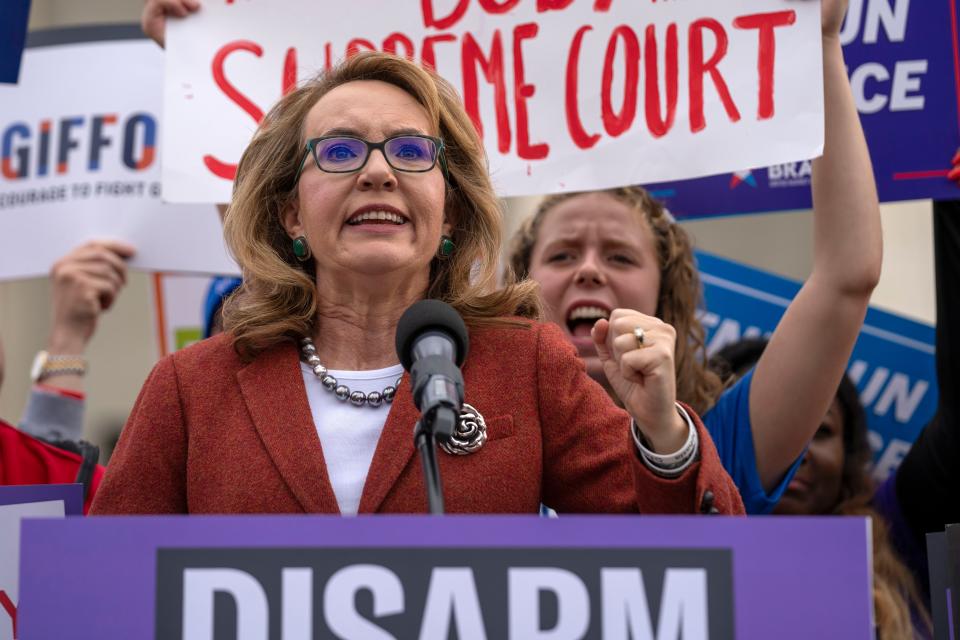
<point x="672" y="465"/>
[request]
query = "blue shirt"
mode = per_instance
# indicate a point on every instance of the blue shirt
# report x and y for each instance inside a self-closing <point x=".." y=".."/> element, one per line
<point x="728" y="423"/>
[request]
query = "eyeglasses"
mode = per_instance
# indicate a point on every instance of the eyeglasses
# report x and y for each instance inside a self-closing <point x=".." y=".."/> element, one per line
<point x="345" y="154"/>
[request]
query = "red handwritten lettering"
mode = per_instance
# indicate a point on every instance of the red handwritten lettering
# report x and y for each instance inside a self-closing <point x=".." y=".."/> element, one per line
<point x="494" y="7"/>
<point x="552" y="5"/>
<point x="327" y="57"/>
<point x="220" y="169"/>
<point x="617" y="123"/>
<point x="523" y="92"/>
<point x="395" y="40"/>
<point x="659" y="125"/>
<point x="765" y="23"/>
<point x="359" y="44"/>
<point x="217" y="167"/>
<point x="219" y="75"/>
<point x="429" y="20"/>
<point x="602" y="5"/>
<point x="289" y="82"/>
<point x="699" y="68"/>
<point x="492" y="67"/>
<point x="578" y="134"/>
<point x="428" y="57"/>
<point x="10" y="608"/>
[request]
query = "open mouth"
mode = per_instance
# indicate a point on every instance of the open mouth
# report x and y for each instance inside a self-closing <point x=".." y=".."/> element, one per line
<point x="582" y="317"/>
<point x="377" y="217"/>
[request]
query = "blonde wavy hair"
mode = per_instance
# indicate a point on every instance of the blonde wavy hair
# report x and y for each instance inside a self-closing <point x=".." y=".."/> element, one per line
<point x="679" y="295"/>
<point x="278" y="299"/>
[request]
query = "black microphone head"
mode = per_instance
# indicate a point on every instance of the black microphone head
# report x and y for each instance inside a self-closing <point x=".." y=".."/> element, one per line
<point x="430" y="315"/>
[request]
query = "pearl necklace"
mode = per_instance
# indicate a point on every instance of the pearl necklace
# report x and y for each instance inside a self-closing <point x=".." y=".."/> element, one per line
<point x="357" y="398"/>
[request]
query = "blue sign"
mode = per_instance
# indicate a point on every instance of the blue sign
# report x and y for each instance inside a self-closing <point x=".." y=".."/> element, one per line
<point x="893" y="363"/>
<point x="904" y="68"/>
<point x="13" y="33"/>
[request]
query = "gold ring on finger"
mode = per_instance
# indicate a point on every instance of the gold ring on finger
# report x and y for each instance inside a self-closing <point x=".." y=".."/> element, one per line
<point x="639" y="334"/>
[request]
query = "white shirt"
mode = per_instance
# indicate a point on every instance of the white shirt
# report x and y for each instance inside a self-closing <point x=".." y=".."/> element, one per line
<point x="348" y="434"/>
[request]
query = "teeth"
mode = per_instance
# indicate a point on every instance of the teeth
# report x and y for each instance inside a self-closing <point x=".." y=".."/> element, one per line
<point x="588" y="313"/>
<point x="381" y="216"/>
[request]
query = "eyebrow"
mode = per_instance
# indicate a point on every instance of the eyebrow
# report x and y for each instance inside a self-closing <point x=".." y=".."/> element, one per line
<point x="573" y="239"/>
<point x="349" y="131"/>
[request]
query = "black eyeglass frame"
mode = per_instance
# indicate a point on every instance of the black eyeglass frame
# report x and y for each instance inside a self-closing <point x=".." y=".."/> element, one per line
<point x="371" y="147"/>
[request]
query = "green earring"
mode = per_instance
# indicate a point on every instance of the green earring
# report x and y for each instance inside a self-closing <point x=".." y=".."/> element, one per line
<point x="301" y="249"/>
<point x="446" y="246"/>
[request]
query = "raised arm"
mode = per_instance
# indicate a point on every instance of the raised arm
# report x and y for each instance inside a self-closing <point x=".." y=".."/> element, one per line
<point x="84" y="284"/>
<point x="798" y="374"/>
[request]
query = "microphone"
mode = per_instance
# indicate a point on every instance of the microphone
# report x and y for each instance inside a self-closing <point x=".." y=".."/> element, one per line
<point x="432" y="344"/>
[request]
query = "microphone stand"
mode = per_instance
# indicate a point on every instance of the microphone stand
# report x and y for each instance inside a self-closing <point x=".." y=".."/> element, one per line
<point x="439" y="421"/>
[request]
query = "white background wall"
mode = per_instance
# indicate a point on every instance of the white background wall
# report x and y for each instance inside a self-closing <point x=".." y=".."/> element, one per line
<point x="125" y="346"/>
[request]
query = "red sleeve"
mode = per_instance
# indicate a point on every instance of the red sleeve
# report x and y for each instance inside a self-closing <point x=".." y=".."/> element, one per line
<point x="26" y="460"/>
<point x="590" y="461"/>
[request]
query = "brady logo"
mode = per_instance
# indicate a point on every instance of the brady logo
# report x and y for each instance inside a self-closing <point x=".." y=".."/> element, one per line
<point x="51" y="145"/>
<point x="528" y="594"/>
<point x="743" y="177"/>
<point x="792" y="174"/>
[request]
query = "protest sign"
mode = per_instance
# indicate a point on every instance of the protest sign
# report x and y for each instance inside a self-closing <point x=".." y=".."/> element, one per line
<point x="567" y="94"/>
<point x="904" y="67"/>
<point x="13" y="33"/>
<point x="17" y="503"/>
<point x="893" y="363"/>
<point x="79" y="158"/>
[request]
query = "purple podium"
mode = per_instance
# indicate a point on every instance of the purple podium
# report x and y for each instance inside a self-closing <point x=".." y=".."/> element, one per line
<point x="502" y="577"/>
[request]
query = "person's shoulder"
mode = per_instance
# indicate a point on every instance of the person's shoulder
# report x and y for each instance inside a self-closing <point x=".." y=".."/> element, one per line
<point x="733" y="404"/>
<point x="508" y="329"/>
<point x="216" y="351"/>
<point x="513" y="335"/>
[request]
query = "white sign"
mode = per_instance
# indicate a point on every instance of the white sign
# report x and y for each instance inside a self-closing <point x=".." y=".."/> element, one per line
<point x="10" y="517"/>
<point x="79" y="160"/>
<point x="569" y="94"/>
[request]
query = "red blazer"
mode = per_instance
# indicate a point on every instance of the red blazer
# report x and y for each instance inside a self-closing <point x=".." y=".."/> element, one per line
<point x="211" y="434"/>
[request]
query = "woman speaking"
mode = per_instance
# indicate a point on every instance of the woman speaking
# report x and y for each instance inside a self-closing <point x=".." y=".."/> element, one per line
<point x="363" y="192"/>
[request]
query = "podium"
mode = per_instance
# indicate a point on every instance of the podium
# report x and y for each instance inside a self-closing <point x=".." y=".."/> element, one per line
<point x="498" y="577"/>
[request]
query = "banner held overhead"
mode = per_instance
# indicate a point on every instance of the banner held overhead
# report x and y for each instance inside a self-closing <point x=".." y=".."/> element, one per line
<point x="567" y="95"/>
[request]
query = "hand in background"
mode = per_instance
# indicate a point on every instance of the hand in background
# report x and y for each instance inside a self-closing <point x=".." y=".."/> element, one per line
<point x="831" y="17"/>
<point x="155" y="13"/>
<point x="85" y="283"/>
